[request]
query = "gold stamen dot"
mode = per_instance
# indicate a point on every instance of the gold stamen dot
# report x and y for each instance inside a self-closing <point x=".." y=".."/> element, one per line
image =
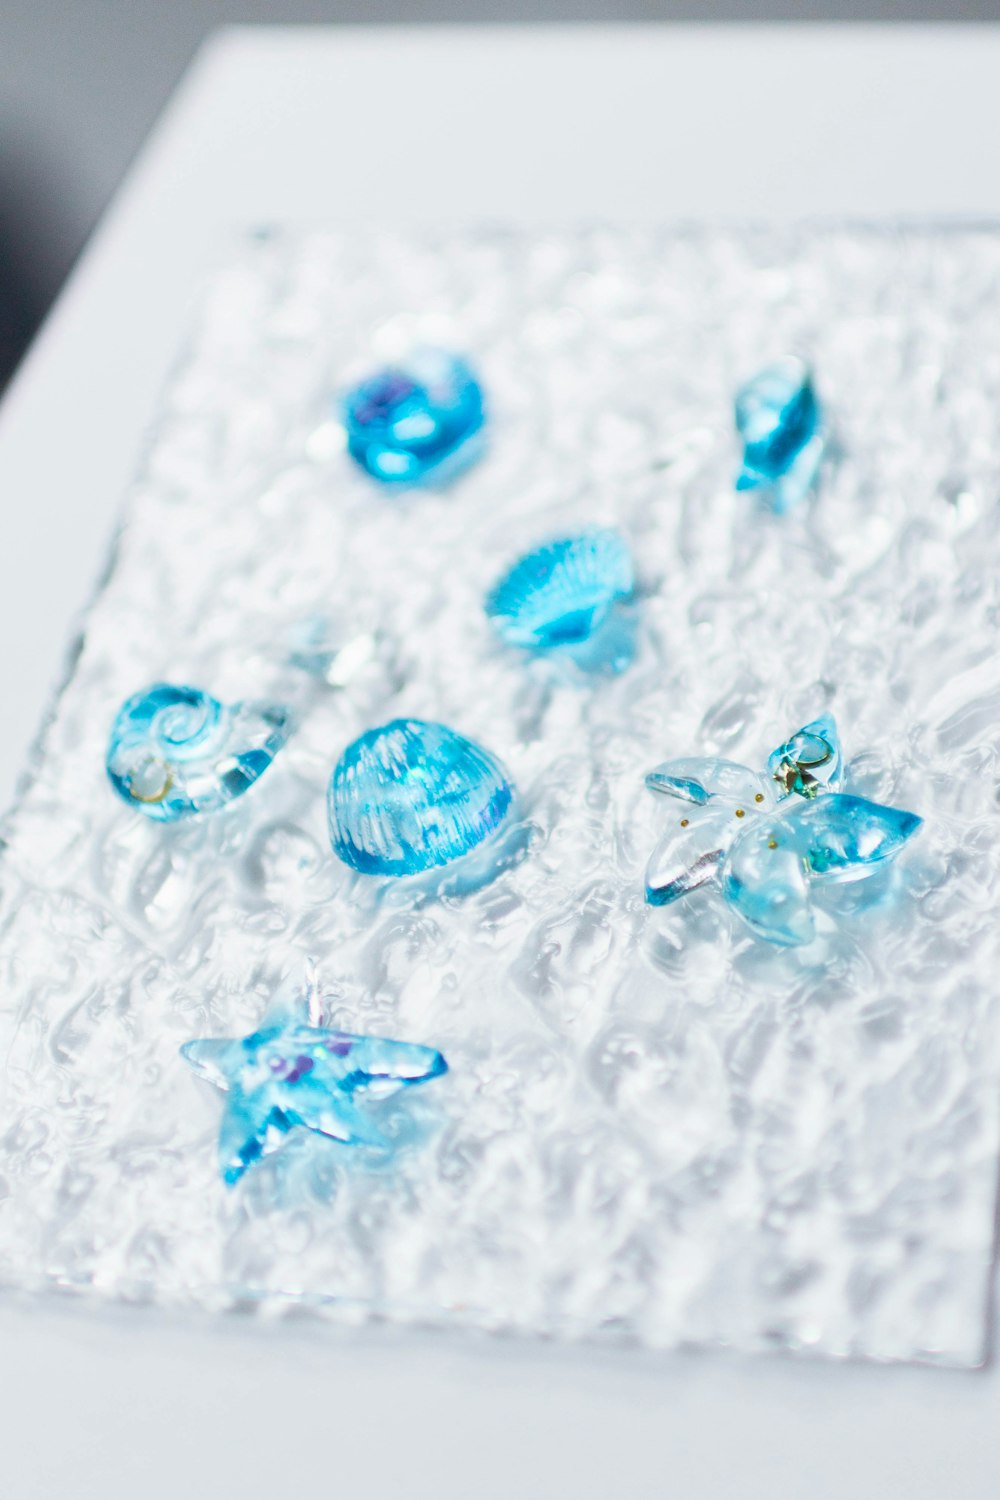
<point x="759" y="797"/>
<point x="772" y="843"/>
<point x="684" y="822"/>
<point x="740" y="813"/>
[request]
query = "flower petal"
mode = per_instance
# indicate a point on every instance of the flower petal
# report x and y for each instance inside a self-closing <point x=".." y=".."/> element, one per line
<point x="699" y="778"/>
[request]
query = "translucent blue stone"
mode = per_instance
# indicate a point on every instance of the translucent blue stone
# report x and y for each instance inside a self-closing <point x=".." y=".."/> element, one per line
<point x="411" y="795"/>
<point x="780" y="422"/>
<point x="561" y="593"/>
<point x="420" y="421"/>
<point x="810" y="761"/>
<point x="843" y="838"/>
<point x="291" y="1075"/>
<point x="176" y="751"/>
<point x="763" y="877"/>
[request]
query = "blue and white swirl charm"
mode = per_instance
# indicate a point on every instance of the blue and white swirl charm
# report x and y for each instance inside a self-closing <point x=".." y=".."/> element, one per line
<point x="562" y="596"/>
<point x="419" y="422"/>
<point x="176" y="751"/>
<point x="410" y="796"/>
<point x="781" y="424"/>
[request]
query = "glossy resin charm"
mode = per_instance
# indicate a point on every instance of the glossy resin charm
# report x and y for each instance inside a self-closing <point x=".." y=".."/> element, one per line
<point x="175" y="751"/>
<point x="295" y="1073"/>
<point x="416" y="422"/>
<point x="779" y="419"/>
<point x="561" y="594"/>
<point x="411" y="795"/>
<point x="766" y="839"/>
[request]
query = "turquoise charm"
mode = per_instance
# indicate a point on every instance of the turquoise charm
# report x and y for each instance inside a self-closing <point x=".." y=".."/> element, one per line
<point x="417" y="422"/>
<point x="561" y="594"/>
<point x="765" y="840"/>
<point x="295" y="1074"/>
<point x="410" y="795"/>
<point x="175" y="751"/>
<point x="779" y="419"/>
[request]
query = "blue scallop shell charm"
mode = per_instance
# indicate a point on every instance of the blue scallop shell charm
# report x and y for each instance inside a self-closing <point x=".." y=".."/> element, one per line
<point x="176" y="751"/>
<point x="780" y="421"/>
<point x="418" y="422"/>
<point x="410" y="795"/>
<point x="561" y="594"/>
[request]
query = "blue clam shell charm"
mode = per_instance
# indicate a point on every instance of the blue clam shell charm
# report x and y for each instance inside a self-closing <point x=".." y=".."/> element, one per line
<point x="417" y="422"/>
<point x="176" y="751"/>
<point x="410" y="795"/>
<point x="780" y="421"/>
<point x="766" y="840"/>
<point x="561" y="594"/>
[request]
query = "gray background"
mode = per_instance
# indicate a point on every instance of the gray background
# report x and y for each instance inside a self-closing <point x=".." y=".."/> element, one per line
<point x="81" y="81"/>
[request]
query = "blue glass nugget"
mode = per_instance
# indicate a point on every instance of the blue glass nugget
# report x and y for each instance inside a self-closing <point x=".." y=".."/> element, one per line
<point x="417" y="422"/>
<point x="561" y="593"/>
<point x="409" y="796"/>
<point x="780" y="421"/>
<point x="176" y="751"/>
<point x="765" y="839"/>
<point x="295" y="1074"/>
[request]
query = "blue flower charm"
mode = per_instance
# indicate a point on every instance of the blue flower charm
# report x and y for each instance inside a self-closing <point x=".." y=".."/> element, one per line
<point x="294" y="1073"/>
<point x="561" y="593"/>
<point x="418" y="422"/>
<point x="780" y="422"/>
<point x="764" y="839"/>
<point x="175" y="751"/>
<point x="411" y="795"/>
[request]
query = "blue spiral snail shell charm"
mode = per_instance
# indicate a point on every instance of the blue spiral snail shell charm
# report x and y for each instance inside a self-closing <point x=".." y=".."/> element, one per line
<point x="176" y="751"/>
<point x="411" y="795"/>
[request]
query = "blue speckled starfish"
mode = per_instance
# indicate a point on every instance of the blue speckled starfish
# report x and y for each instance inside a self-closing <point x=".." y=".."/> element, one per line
<point x="295" y="1072"/>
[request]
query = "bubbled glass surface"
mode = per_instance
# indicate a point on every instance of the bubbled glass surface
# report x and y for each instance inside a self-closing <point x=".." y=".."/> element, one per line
<point x="653" y="1126"/>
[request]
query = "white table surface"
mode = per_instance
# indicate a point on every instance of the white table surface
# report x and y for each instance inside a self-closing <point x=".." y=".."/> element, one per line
<point x="515" y="124"/>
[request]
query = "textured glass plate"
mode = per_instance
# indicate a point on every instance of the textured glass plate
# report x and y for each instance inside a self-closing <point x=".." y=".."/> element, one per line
<point x="654" y="1126"/>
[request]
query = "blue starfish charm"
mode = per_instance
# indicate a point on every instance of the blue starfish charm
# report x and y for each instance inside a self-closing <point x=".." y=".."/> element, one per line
<point x="765" y="838"/>
<point x="294" y="1072"/>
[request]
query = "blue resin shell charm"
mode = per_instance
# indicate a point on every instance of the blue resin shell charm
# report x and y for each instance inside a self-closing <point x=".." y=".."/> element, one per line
<point x="409" y="796"/>
<point x="176" y="751"/>
<point x="294" y="1073"/>
<point x="766" y="839"/>
<point x="780" y="421"/>
<point x="419" y="422"/>
<point x="561" y="593"/>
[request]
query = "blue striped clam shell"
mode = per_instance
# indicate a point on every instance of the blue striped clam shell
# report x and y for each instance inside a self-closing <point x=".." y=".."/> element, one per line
<point x="411" y="795"/>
